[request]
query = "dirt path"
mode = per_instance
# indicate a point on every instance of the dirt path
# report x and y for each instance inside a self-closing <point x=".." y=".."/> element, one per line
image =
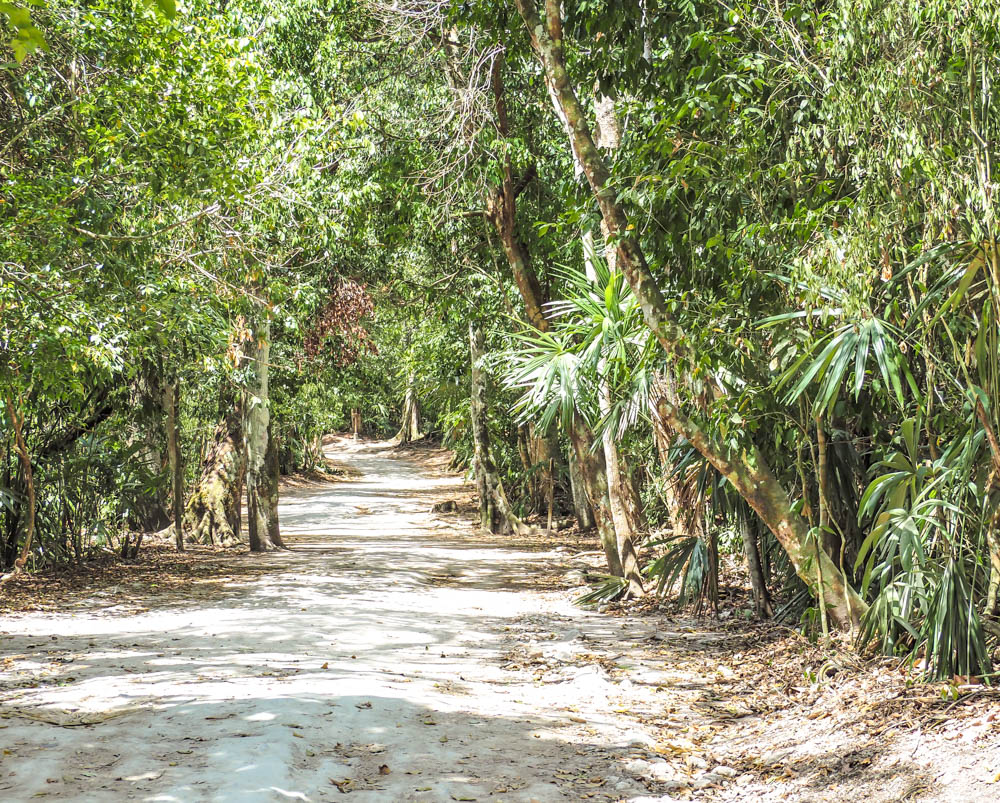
<point x="396" y="655"/>
<point x="367" y="661"/>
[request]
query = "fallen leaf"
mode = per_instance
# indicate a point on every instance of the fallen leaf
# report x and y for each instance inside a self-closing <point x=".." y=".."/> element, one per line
<point x="342" y="786"/>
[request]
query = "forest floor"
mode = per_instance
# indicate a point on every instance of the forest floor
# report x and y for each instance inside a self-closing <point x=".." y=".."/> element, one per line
<point x="397" y="654"/>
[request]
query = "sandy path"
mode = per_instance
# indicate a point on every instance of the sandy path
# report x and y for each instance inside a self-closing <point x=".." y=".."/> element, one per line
<point x="366" y="661"/>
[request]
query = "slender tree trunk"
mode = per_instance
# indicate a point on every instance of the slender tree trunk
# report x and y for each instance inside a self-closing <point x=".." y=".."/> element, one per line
<point x="17" y="423"/>
<point x="262" y="492"/>
<point x="543" y="450"/>
<point x="524" y="452"/>
<point x="626" y="510"/>
<point x="271" y="489"/>
<point x="491" y="483"/>
<point x="831" y="543"/>
<point x="409" y="429"/>
<point x="480" y="434"/>
<point x="593" y="471"/>
<point x="624" y="504"/>
<point x="758" y="586"/>
<point x="11" y="515"/>
<point x="749" y="473"/>
<point x="171" y="406"/>
<point x="489" y="520"/>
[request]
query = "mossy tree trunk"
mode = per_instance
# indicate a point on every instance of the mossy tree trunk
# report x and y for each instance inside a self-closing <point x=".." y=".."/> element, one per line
<point x="212" y="514"/>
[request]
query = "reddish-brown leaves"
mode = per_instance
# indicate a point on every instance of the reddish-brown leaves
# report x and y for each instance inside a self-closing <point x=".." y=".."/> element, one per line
<point x="338" y="323"/>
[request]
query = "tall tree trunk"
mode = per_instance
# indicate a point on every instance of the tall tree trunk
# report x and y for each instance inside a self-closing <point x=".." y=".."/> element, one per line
<point x="749" y="473"/>
<point x="543" y="449"/>
<point x="758" y="585"/>
<point x="489" y="519"/>
<point x="593" y="470"/>
<point x="171" y="406"/>
<point x="262" y="496"/>
<point x="625" y="508"/>
<point x="409" y="429"/>
<point x="490" y="483"/>
<point x="581" y="501"/>
<point x="212" y="515"/>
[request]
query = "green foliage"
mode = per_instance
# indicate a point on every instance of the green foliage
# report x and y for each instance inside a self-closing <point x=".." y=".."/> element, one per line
<point x="813" y="188"/>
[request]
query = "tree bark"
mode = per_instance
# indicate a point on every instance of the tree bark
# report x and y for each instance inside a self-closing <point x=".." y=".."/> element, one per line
<point x="272" y="472"/>
<point x="171" y="406"/>
<point x="581" y="502"/>
<point x="262" y="491"/>
<point x="758" y="585"/>
<point x="662" y="388"/>
<point x="488" y="519"/>
<point x="212" y="515"/>
<point x="593" y="471"/>
<point x="262" y="507"/>
<point x="754" y="481"/>
<point x="409" y="429"/>
<point x="625" y="507"/>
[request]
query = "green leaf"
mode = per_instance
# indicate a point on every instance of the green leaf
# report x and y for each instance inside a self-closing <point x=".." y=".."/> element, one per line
<point x="167" y="7"/>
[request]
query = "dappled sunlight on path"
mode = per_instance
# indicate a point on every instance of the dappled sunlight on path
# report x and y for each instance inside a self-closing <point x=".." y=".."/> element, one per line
<point x="366" y="659"/>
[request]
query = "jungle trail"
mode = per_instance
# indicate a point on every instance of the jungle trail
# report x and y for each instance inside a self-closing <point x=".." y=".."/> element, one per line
<point x="688" y="314"/>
